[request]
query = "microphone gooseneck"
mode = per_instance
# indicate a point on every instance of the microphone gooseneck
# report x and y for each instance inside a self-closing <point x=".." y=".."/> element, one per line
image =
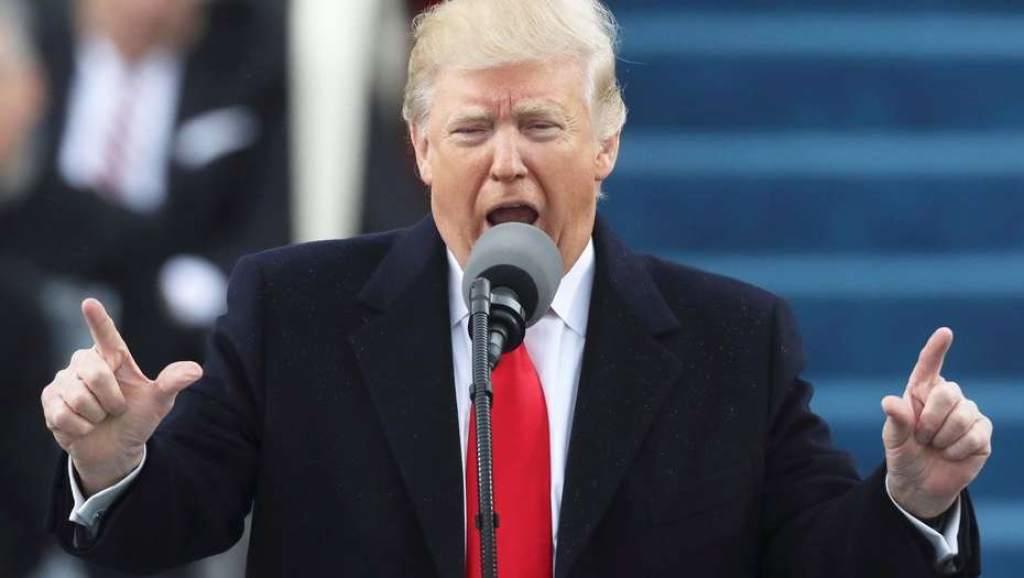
<point x="509" y="283"/>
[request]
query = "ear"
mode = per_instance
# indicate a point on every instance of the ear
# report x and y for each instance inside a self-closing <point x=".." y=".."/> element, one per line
<point x="421" y="146"/>
<point x="607" y="154"/>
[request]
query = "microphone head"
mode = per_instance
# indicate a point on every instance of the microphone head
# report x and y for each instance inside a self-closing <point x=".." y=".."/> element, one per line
<point x="522" y="258"/>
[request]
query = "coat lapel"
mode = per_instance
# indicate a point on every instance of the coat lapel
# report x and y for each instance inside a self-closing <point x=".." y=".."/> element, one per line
<point x="626" y="375"/>
<point x="405" y="354"/>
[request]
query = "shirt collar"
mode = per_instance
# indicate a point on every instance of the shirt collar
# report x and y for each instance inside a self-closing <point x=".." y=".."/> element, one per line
<point x="571" y="303"/>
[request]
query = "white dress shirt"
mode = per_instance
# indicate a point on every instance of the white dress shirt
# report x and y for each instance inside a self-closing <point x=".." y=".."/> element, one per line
<point x="134" y="102"/>
<point x="555" y="344"/>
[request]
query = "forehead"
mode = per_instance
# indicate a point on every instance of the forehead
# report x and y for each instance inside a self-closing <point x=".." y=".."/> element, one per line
<point x="558" y="85"/>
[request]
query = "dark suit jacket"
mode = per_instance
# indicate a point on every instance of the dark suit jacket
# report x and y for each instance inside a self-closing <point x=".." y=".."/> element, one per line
<point x="328" y="400"/>
<point x="234" y="204"/>
<point x="27" y="447"/>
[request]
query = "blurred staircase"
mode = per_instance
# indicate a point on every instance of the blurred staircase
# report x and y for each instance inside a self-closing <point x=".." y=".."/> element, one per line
<point x="865" y="160"/>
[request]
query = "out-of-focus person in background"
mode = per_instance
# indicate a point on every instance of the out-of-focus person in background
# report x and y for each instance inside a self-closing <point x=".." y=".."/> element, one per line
<point x="22" y="93"/>
<point x="25" y="469"/>
<point x="164" y="156"/>
<point x="393" y="195"/>
<point x="143" y="148"/>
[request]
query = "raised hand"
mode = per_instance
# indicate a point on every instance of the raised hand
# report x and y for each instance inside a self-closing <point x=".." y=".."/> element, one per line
<point x="102" y="409"/>
<point x="936" y="440"/>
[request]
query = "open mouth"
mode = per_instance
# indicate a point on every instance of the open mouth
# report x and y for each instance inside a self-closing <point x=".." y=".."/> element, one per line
<point x="512" y="214"/>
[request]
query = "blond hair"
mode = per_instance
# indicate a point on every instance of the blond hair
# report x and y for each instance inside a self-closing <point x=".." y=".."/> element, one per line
<point x="480" y="34"/>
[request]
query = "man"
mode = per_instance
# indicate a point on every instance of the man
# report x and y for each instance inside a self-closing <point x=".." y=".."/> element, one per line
<point x="164" y="157"/>
<point x="26" y="355"/>
<point x="335" y="396"/>
<point x="23" y="93"/>
<point x="25" y="348"/>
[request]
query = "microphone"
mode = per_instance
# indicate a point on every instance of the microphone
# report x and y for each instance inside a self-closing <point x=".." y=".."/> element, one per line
<point x="509" y="282"/>
<point x="522" y="268"/>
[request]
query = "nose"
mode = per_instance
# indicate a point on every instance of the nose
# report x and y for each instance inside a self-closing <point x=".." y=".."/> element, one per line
<point x="507" y="164"/>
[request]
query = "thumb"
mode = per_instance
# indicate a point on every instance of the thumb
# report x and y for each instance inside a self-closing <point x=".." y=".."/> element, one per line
<point x="177" y="376"/>
<point x="899" y="422"/>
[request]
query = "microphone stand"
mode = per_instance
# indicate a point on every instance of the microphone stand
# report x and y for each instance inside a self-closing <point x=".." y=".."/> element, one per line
<point x="481" y="395"/>
<point x="509" y="261"/>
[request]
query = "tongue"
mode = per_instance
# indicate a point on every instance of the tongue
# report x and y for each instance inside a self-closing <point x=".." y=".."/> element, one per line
<point x="512" y="215"/>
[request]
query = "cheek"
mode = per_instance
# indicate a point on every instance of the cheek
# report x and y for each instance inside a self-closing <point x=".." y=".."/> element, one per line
<point x="453" y="200"/>
<point x="572" y="201"/>
<point x="449" y="191"/>
<point x="458" y="178"/>
<point x="570" y="187"/>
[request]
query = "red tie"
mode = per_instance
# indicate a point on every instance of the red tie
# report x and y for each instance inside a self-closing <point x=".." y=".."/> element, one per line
<point x="522" y="474"/>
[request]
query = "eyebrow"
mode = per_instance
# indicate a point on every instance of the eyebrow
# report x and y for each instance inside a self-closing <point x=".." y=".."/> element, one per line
<point x="528" y="109"/>
<point x="469" y="116"/>
<point x="546" y="109"/>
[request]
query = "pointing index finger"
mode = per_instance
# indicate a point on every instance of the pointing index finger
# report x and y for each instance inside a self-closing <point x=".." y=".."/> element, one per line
<point x="104" y="332"/>
<point x="929" y="363"/>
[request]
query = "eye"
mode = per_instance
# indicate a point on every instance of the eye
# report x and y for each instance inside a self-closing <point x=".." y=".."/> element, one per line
<point x="471" y="134"/>
<point x="542" y="125"/>
<point x="542" y="130"/>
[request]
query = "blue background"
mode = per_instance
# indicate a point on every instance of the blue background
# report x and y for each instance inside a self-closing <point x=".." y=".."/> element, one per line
<point x="865" y="160"/>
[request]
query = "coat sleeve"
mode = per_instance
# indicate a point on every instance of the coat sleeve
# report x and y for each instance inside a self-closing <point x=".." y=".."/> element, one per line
<point x="191" y="497"/>
<point x="819" y="520"/>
